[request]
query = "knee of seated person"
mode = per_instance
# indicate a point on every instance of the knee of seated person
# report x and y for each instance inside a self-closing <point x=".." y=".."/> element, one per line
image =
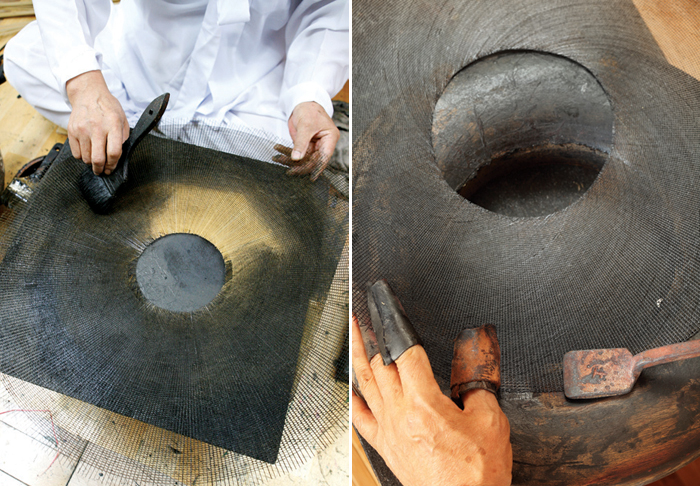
<point x="17" y="58"/>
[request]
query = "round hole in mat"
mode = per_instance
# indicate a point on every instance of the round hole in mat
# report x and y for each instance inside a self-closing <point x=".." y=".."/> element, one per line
<point x="180" y="272"/>
<point x="536" y="181"/>
<point x="522" y="133"/>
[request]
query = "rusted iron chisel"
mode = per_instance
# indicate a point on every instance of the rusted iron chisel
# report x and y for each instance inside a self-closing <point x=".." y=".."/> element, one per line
<point x="599" y="373"/>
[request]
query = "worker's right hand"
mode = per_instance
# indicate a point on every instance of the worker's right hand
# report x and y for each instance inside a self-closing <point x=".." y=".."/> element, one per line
<point x="424" y="438"/>
<point x="97" y="126"/>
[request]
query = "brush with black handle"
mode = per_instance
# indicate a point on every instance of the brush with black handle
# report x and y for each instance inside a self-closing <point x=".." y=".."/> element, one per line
<point x="100" y="190"/>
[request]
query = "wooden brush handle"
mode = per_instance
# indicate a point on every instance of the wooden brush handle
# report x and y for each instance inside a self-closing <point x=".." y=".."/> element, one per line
<point x="149" y="119"/>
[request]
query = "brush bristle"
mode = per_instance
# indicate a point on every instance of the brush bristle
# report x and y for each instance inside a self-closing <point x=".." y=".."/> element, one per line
<point x="99" y="191"/>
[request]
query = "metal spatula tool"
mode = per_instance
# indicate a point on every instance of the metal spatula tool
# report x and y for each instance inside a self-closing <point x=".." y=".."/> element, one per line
<point x="596" y="373"/>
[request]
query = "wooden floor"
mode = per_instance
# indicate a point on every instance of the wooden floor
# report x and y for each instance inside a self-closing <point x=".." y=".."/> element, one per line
<point x="24" y="133"/>
<point x="676" y="27"/>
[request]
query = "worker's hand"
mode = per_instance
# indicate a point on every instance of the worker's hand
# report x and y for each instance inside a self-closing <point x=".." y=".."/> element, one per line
<point x="424" y="438"/>
<point x="97" y="126"/>
<point x="314" y="135"/>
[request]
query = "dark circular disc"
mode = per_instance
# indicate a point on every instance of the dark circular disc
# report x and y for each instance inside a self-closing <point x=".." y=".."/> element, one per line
<point x="180" y="272"/>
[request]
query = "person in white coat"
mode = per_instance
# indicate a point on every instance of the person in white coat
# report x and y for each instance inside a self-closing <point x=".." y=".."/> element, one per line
<point x="92" y="66"/>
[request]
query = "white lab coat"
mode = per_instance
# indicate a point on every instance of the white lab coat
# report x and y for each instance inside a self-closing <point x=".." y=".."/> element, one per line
<point x="226" y="62"/>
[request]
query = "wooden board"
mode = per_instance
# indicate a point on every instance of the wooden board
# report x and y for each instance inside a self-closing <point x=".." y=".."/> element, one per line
<point x="344" y="94"/>
<point x="362" y="473"/>
<point x="31" y="461"/>
<point x="24" y="133"/>
<point x="676" y="27"/>
<point x="7" y="480"/>
<point x="688" y="476"/>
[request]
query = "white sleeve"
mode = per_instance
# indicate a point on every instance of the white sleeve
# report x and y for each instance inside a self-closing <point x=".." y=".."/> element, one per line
<point x="68" y="29"/>
<point x="318" y="53"/>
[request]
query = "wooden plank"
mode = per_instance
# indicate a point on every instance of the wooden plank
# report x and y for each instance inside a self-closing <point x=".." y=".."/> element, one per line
<point x="93" y="424"/>
<point x="362" y="472"/>
<point x="687" y="476"/>
<point x="16" y="3"/>
<point x="30" y="424"/>
<point x="12" y="24"/>
<point x="344" y="94"/>
<point x="32" y="462"/>
<point x="676" y="28"/>
<point x="24" y="133"/>
<point x="12" y="29"/>
<point x="11" y="13"/>
<point x="111" y="470"/>
<point x="7" y="480"/>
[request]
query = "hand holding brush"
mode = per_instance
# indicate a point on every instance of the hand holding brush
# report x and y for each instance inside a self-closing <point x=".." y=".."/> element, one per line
<point x="100" y="190"/>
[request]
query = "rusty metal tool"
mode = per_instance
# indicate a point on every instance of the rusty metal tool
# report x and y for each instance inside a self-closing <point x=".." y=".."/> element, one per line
<point x="599" y="373"/>
<point x="476" y="362"/>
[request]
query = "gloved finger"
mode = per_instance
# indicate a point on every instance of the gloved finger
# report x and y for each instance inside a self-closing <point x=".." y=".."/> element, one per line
<point x="114" y="151"/>
<point x="369" y="338"/>
<point x="283" y="149"/>
<point x="362" y="369"/>
<point x="296" y="164"/>
<point x="476" y="362"/>
<point x="301" y="166"/>
<point x="305" y="166"/>
<point x="98" y="153"/>
<point x="398" y="340"/>
<point x="364" y="421"/>
<point x="306" y="161"/>
<point x="300" y="170"/>
<point x="325" y="145"/>
<point x="320" y="163"/>
<point x="386" y="377"/>
<point x="395" y="333"/>
<point x="282" y="159"/>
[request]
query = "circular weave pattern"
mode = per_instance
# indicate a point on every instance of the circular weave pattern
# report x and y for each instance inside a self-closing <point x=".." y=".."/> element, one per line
<point x="617" y="268"/>
<point x="238" y="386"/>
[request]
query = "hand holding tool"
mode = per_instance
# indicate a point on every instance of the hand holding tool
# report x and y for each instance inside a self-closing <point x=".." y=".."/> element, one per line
<point x="100" y="190"/>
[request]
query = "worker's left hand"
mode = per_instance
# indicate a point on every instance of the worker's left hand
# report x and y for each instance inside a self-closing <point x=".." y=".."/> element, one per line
<point x="422" y="435"/>
<point x="314" y="135"/>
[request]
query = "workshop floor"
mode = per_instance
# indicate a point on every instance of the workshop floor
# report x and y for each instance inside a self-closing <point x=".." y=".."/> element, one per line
<point x="27" y="458"/>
